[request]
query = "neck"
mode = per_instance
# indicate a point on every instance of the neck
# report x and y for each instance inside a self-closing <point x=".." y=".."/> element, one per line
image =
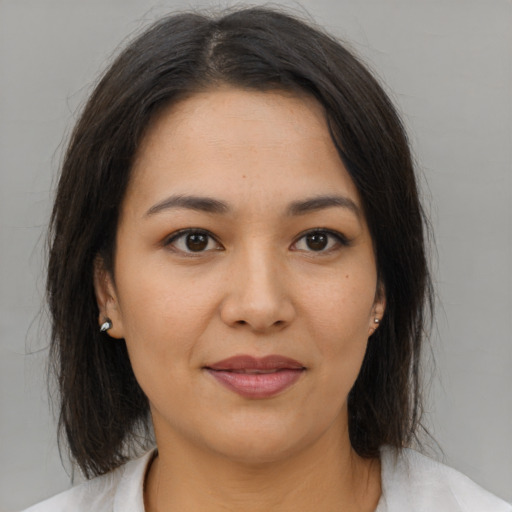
<point x="324" y="477"/>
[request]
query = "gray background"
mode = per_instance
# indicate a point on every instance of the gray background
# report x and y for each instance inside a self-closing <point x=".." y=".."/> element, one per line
<point x="448" y="64"/>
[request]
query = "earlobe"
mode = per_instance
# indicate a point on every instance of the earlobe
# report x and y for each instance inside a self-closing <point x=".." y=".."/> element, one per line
<point x="379" y="307"/>
<point x="109" y="318"/>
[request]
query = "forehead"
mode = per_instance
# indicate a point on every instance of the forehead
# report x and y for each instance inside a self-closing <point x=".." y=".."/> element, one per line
<point x="239" y="144"/>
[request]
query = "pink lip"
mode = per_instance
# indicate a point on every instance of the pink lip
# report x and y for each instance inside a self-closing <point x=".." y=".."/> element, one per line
<point x="253" y="377"/>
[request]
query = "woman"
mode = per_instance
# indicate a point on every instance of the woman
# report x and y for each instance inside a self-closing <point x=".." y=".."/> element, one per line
<point x="238" y="265"/>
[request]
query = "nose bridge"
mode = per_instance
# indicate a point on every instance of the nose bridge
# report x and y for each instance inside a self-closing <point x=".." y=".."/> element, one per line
<point x="260" y="264"/>
<point x="257" y="293"/>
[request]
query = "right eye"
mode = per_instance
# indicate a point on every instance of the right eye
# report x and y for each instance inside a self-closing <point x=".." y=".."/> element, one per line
<point x="192" y="241"/>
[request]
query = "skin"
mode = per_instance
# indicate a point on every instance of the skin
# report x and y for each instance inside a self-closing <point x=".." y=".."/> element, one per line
<point x="257" y="287"/>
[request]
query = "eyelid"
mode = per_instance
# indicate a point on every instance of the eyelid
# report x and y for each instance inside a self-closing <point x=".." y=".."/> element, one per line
<point x="176" y="235"/>
<point x="340" y="238"/>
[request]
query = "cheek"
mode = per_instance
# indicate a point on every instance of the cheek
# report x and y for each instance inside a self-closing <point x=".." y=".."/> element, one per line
<point x="341" y="307"/>
<point x="163" y="325"/>
<point x="163" y="314"/>
<point x="338" y="315"/>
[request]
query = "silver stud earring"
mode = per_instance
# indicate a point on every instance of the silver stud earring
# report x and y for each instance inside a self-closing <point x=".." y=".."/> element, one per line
<point x="106" y="325"/>
<point x="376" y="320"/>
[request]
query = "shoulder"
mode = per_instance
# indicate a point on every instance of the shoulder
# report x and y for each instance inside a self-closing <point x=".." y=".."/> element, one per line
<point x="119" y="490"/>
<point x="411" y="481"/>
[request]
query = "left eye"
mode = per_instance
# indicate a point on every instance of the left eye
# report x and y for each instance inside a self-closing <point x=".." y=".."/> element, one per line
<point x="319" y="241"/>
<point x="191" y="241"/>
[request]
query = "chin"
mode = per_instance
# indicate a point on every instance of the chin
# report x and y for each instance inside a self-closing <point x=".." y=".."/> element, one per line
<point x="258" y="453"/>
<point x="263" y="443"/>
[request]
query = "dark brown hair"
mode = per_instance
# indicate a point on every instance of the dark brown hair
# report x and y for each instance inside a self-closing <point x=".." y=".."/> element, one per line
<point x="104" y="414"/>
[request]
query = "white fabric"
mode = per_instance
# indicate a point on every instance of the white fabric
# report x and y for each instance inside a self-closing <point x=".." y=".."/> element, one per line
<point x="415" y="483"/>
<point x="411" y="483"/>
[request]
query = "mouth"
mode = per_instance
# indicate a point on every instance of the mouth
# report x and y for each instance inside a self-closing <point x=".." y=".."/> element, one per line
<point x="252" y="377"/>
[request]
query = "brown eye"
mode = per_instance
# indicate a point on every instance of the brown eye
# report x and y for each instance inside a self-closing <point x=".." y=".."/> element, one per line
<point x="317" y="241"/>
<point x="321" y="241"/>
<point x="190" y="241"/>
<point x="197" y="242"/>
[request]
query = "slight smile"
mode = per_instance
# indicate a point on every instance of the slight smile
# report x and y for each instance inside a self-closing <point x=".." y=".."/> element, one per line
<point x="253" y="377"/>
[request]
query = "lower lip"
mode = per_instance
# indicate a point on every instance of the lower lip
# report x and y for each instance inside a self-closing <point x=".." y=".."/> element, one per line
<point x="257" y="385"/>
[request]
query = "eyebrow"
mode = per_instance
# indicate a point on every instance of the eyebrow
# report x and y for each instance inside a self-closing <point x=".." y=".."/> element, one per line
<point x="211" y="205"/>
<point x="197" y="203"/>
<point x="322" y="202"/>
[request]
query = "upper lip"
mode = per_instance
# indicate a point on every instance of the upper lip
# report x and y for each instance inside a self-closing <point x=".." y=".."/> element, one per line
<point x="246" y="362"/>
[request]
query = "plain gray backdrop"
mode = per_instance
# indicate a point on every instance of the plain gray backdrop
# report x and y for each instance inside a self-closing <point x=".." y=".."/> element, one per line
<point x="447" y="65"/>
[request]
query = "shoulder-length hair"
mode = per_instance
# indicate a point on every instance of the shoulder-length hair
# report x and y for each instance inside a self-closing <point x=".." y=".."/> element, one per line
<point x="104" y="413"/>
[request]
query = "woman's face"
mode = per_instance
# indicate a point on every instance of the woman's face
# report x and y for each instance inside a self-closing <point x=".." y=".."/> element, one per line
<point x="245" y="282"/>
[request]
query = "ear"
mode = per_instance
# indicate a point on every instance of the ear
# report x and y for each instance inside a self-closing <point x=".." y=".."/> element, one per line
<point x="106" y="298"/>
<point x="378" y="308"/>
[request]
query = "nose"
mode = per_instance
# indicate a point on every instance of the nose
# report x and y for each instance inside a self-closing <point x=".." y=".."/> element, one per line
<point x="257" y="293"/>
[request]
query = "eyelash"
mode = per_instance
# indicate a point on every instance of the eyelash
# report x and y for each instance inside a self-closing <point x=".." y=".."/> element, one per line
<point x="340" y="240"/>
<point x="182" y="233"/>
